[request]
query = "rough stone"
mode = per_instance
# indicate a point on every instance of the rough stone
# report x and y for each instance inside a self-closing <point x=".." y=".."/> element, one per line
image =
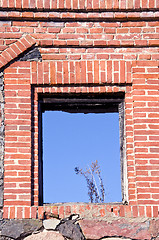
<point x="5" y="238"/>
<point x="154" y="227"/>
<point x="51" y="224"/>
<point x="1" y="212"/>
<point x="31" y="225"/>
<point x="50" y="235"/>
<point x="115" y="238"/>
<point x="1" y="97"/>
<point x="70" y="230"/>
<point x="2" y="222"/>
<point x="74" y="216"/>
<point x="12" y="229"/>
<point x="20" y="228"/>
<point x="94" y="229"/>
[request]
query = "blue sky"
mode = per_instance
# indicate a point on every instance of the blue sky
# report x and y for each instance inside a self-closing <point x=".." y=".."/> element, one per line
<point x="75" y="140"/>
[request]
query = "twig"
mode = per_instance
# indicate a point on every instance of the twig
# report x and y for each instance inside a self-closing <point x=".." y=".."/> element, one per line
<point x="93" y="189"/>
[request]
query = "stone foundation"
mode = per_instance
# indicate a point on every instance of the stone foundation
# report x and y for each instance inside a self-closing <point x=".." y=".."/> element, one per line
<point x="76" y="228"/>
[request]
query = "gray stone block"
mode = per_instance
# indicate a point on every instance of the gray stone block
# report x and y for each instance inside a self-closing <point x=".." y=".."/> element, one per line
<point x="12" y="229"/>
<point x="70" y="230"/>
<point x="20" y="228"/>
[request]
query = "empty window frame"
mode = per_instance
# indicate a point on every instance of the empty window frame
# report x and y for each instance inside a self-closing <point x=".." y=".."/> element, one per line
<point x="84" y="104"/>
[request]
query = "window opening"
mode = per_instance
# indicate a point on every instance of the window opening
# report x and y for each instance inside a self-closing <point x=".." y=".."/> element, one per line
<point x="75" y="140"/>
<point x="72" y="139"/>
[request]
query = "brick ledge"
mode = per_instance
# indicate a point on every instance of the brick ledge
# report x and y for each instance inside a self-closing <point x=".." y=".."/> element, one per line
<point x="97" y="211"/>
<point x="101" y="15"/>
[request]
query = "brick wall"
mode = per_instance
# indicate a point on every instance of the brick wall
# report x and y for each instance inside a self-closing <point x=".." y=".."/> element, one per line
<point x="104" y="47"/>
<point x="1" y="141"/>
<point x="81" y="4"/>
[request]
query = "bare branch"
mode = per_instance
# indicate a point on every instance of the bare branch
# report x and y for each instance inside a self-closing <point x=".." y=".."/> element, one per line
<point x="93" y="187"/>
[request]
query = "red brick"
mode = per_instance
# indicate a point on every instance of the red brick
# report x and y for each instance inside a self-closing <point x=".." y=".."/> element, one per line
<point x="109" y="71"/>
<point x="83" y="71"/>
<point x="155" y="211"/>
<point x="96" y="71"/>
<point x="66" y="72"/>
<point x="5" y="212"/>
<point x="54" y="210"/>
<point x="33" y="212"/>
<point x="52" y="73"/>
<point x="67" y="211"/>
<point x="102" y="212"/>
<point x="12" y="213"/>
<point x="141" y="211"/>
<point x="148" y="211"/>
<point x="27" y="212"/>
<point x="122" y="211"/>
<point x="40" y="212"/>
<point x="19" y="212"/>
<point x="61" y="212"/>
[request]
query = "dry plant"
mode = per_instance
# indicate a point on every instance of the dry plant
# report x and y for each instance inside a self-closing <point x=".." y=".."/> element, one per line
<point x="96" y="191"/>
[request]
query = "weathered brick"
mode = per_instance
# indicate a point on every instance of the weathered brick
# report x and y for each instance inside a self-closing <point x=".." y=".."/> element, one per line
<point x="98" y="55"/>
